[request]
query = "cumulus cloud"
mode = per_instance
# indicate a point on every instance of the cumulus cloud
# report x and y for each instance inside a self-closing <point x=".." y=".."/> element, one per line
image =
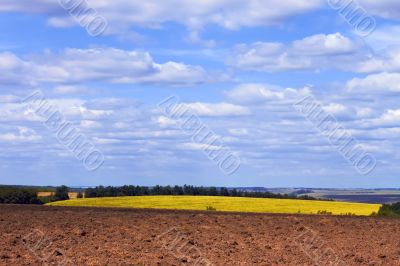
<point x="90" y="124"/>
<point x="282" y="135"/>
<point x="321" y="44"/>
<point x="164" y="121"/>
<point x="335" y="108"/>
<point x="105" y="64"/>
<point x="389" y="118"/>
<point x="364" y="112"/>
<point x="386" y="60"/>
<point x="258" y="93"/>
<point x="238" y="131"/>
<point x="382" y="82"/>
<point x="217" y="109"/>
<point x="65" y="89"/>
<point x="314" y="52"/>
<point x="11" y="112"/>
<point x="386" y="122"/>
<point x="124" y="14"/>
<point x="14" y="70"/>
<point x="22" y="134"/>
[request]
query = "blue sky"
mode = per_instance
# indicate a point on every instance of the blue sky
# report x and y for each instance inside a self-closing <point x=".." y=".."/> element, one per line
<point x="239" y="65"/>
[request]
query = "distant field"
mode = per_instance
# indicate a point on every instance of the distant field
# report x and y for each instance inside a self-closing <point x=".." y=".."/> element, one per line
<point x="372" y="198"/>
<point x="72" y="195"/>
<point x="225" y="204"/>
<point x="377" y="196"/>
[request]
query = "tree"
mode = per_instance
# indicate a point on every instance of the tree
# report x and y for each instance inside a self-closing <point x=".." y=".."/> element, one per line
<point x="80" y="195"/>
<point x="234" y="192"/>
<point x="224" y="192"/>
<point x="213" y="191"/>
<point x="61" y="193"/>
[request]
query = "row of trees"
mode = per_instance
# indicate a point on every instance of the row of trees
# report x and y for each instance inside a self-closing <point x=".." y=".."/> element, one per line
<point x="17" y="195"/>
<point x="179" y="190"/>
<point x="9" y="195"/>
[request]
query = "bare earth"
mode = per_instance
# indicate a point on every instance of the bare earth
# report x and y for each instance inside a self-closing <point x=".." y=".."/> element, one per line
<point x="40" y="235"/>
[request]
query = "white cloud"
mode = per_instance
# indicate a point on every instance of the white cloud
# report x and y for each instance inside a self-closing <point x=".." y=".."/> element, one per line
<point x="70" y="108"/>
<point x="388" y="133"/>
<point x="123" y="14"/>
<point x="254" y="93"/>
<point x="218" y="109"/>
<point x="238" y="131"/>
<point x="322" y="44"/>
<point x="389" y="9"/>
<point x="41" y="6"/>
<point x="121" y="125"/>
<point x="90" y="124"/>
<point x="17" y="112"/>
<point x="318" y="52"/>
<point x="384" y="60"/>
<point x="111" y="103"/>
<point x="384" y="36"/>
<point x="23" y="134"/>
<point x="164" y="121"/>
<point x="85" y="113"/>
<point x="382" y="82"/>
<point x="314" y="52"/>
<point x="8" y="99"/>
<point x="103" y="64"/>
<point x="390" y="117"/>
<point x="104" y="141"/>
<point x="14" y="70"/>
<point x="364" y="112"/>
<point x="199" y="146"/>
<point x="117" y="66"/>
<point x="69" y="89"/>
<point x="335" y="108"/>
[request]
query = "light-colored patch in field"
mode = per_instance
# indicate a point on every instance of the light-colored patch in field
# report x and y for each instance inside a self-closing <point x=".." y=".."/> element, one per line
<point x="45" y="194"/>
<point x="233" y="204"/>
<point x="72" y="195"/>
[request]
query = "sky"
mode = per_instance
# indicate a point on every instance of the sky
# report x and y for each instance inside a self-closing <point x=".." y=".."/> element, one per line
<point x="238" y="66"/>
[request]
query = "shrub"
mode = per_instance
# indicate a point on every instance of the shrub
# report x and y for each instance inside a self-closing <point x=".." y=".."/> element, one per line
<point x="80" y="195"/>
<point x="210" y="208"/>
<point x="46" y="199"/>
<point x="389" y="209"/>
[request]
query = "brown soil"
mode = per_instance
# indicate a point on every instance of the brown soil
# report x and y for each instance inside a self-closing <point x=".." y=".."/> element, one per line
<point x="40" y="235"/>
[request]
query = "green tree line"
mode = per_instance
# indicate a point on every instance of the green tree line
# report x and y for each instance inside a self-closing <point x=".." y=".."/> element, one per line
<point x="9" y="195"/>
<point x="110" y="191"/>
<point x="18" y="195"/>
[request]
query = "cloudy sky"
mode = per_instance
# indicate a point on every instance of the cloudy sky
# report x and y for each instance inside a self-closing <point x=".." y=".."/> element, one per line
<point x="239" y="65"/>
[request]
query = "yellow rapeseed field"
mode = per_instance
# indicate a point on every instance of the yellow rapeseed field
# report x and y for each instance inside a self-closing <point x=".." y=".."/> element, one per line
<point x="233" y="204"/>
